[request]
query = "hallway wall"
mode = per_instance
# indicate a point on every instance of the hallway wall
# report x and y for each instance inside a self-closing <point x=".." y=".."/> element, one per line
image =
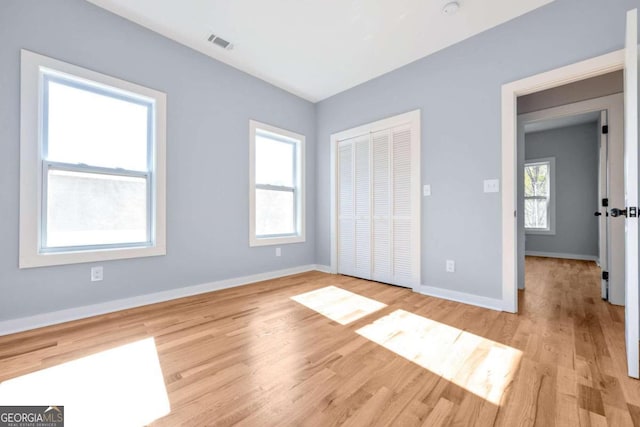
<point x="575" y="149"/>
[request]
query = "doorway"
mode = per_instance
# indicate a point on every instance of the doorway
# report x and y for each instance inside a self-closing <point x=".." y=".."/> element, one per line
<point x="627" y="59"/>
<point x="598" y="66"/>
<point x="571" y="175"/>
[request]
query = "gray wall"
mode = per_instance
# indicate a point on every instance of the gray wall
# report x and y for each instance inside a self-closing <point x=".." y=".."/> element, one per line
<point x="209" y="107"/>
<point x="458" y="91"/>
<point x="575" y="149"/>
<point x="595" y="87"/>
<point x="209" y="104"/>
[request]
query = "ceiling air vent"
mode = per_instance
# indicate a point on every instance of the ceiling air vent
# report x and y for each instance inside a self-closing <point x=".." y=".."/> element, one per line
<point x="219" y="41"/>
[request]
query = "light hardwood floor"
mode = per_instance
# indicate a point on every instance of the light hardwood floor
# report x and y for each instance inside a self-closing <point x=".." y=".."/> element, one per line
<point x="253" y="356"/>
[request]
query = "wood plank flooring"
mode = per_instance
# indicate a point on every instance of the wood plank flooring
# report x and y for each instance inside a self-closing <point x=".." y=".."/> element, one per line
<point x="252" y="356"/>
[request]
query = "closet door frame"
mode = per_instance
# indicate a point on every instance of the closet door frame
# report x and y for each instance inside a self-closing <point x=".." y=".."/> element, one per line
<point x="411" y="118"/>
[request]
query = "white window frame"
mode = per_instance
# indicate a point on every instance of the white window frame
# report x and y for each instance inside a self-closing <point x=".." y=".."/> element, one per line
<point x="551" y="207"/>
<point x="33" y="165"/>
<point x="298" y="140"/>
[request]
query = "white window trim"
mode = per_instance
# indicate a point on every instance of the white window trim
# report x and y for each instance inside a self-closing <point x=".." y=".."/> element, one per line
<point x="551" y="211"/>
<point x="300" y="186"/>
<point x="31" y="170"/>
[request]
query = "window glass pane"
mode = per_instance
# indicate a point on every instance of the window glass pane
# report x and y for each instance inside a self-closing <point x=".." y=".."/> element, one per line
<point x="535" y="213"/>
<point x="536" y="180"/>
<point x="274" y="212"/>
<point x="274" y="162"/>
<point x="95" y="209"/>
<point x="94" y="129"/>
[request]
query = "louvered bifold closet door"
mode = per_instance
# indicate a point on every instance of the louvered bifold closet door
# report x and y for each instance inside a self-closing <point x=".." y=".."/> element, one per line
<point x="362" y="187"/>
<point x="401" y="189"/>
<point x="346" y="209"/>
<point x="381" y="204"/>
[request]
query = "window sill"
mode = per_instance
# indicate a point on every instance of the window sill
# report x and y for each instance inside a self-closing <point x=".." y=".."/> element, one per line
<point x="64" y="258"/>
<point x="275" y="241"/>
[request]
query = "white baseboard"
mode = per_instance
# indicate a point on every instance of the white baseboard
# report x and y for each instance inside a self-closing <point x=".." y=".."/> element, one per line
<point x="46" y="319"/>
<point x="477" y="300"/>
<point x="323" y="268"/>
<point x="562" y="255"/>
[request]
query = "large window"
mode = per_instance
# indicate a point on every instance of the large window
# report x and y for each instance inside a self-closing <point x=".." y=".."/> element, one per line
<point x="539" y="206"/>
<point x="92" y="166"/>
<point x="277" y="186"/>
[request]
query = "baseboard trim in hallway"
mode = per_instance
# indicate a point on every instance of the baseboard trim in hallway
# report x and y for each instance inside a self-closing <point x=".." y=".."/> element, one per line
<point x="562" y="255"/>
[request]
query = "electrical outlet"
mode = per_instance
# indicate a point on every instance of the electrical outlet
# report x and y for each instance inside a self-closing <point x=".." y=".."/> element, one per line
<point x="451" y="266"/>
<point x="426" y="190"/>
<point x="97" y="274"/>
<point x="278" y="252"/>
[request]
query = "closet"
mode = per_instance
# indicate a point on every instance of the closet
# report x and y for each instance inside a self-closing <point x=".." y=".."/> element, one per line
<point x="378" y="202"/>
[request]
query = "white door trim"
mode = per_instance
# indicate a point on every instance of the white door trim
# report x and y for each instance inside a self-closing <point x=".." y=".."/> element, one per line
<point x="631" y="118"/>
<point x="582" y="70"/>
<point x="412" y="118"/>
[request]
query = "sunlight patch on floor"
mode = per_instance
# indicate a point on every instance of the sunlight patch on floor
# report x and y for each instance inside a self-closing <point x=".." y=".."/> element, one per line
<point x="123" y="386"/>
<point x="479" y="365"/>
<point x="338" y="304"/>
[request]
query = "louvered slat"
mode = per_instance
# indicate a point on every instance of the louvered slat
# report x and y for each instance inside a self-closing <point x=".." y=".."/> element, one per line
<point x="363" y="208"/>
<point x="346" y="180"/>
<point x="381" y="195"/>
<point x="402" y="251"/>
<point x="401" y="172"/>
<point x="346" y="220"/>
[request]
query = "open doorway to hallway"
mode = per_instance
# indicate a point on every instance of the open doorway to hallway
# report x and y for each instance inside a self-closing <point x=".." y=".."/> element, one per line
<point x="570" y="167"/>
<point x="513" y="155"/>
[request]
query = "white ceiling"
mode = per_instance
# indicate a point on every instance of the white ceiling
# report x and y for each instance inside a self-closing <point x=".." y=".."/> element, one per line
<point x="562" y="122"/>
<point x="317" y="48"/>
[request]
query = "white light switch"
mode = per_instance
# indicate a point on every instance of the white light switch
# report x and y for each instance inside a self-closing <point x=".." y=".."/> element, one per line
<point x="426" y="190"/>
<point x="491" y="185"/>
<point x="278" y="252"/>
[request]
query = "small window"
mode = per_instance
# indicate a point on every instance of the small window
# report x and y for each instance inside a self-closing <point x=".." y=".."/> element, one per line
<point x="539" y="206"/>
<point x="277" y="189"/>
<point x="93" y="151"/>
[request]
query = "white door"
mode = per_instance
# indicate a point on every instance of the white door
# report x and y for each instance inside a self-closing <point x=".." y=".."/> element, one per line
<point x="616" y="197"/>
<point x="601" y="210"/>
<point x="346" y="209"/>
<point x="354" y="210"/>
<point x="362" y="199"/>
<point x="612" y="230"/>
<point x="375" y="201"/>
<point x="403" y="269"/>
<point x="381" y="204"/>
<point x="631" y="193"/>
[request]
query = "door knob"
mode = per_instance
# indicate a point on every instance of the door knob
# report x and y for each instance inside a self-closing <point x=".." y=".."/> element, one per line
<point x="597" y="213"/>
<point x="615" y="212"/>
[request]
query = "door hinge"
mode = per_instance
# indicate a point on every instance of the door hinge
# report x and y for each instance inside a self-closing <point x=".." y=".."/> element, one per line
<point x="605" y="275"/>
<point x="633" y="212"/>
<point x="605" y="202"/>
<point x="605" y="129"/>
